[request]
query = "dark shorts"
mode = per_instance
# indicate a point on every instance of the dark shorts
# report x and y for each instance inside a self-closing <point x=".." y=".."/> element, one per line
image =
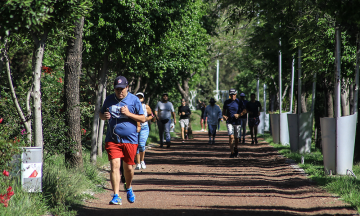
<point x="125" y="151"/>
<point x="255" y="121"/>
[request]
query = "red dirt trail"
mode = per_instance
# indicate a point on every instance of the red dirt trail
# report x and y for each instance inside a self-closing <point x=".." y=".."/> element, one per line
<point x="195" y="178"/>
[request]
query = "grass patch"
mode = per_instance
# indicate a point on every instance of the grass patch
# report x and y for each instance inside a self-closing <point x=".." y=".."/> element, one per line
<point x="63" y="189"/>
<point x="346" y="187"/>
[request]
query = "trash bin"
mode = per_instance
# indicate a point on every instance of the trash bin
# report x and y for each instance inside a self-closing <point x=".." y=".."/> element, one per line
<point x="31" y="169"/>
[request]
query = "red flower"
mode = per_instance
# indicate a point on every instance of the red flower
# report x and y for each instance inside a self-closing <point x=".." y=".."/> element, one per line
<point x="9" y="189"/>
<point x="84" y="131"/>
<point x="60" y="80"/>
<point x="1" y="120"/>
<point x="6" y="173"/>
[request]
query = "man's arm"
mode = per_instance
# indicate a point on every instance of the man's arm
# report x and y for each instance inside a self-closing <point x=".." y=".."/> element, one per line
<point x="150" y="114"/>
<point x="224" y="114"/>
<point x="135" y="117"/>
<point x="174" y="116"/>
<point x="104" y="116"/>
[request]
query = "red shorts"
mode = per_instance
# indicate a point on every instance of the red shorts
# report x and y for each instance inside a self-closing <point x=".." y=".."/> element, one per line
<point x="125" y="151"/>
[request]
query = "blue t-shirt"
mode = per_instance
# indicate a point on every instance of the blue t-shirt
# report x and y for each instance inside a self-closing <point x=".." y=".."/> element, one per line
<point x="122" y="129"/>
<point x="233" y="107"/>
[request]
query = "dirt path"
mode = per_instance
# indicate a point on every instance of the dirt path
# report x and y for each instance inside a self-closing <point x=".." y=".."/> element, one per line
<point x="195" y="178"/>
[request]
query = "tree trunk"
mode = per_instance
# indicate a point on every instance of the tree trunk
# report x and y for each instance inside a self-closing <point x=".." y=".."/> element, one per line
<point x="95" y="124"/>
<point x="73" y="157"/>
<point x="330" y="103"/>
<point x="137" y="87"/>
<point x="344" y="98"/>
<point x="303" y="102"/>
<point x="37" y="63"/>
<point x="184" y="89"/>
<point x="101" y="128"/>
<point x="351" y="98"/>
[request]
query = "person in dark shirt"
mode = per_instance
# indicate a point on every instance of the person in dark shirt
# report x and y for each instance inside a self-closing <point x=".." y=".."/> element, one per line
<point x="184" y="112"/>
<point x="253" y="107"/>
<point x="232" y="110"/>
<point x="243" y="119"/>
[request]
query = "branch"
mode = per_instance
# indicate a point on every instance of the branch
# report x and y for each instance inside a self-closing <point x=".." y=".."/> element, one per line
<point x="180" y="88"/>
<point x="137" y="85"/>
<point x="13" y="94"/>
<point x="284" y="93"/>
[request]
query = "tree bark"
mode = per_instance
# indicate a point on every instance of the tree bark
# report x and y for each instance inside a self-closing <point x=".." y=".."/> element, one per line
<point x="351" y="98"/>
<point x="330" y="103"/>
<point x="137" y="87"/>
<point x="303" y="102"/>
<point x="72" y="66"/>
<point x="184" y="89"/>
<point x="101" y="128"/>
<point x="344" y="97"/>
<point x="95" y="124"/>
<point x="37" y="63"/>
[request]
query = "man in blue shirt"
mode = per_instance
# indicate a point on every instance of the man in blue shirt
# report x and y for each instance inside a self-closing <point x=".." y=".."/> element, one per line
<point x="232" y="110"/>
<point x="122" y="110"/>
<point x="243" y="119"/>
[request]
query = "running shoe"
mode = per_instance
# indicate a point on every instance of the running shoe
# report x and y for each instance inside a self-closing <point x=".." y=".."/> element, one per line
<point x="209" y="142"/>
<point x="138" y="167"/>
<point x="183" y="141"/>
<point x="168" y="145"/>
<point x="143" y="166"/>
<point x="213" y="142"/>
<point x="252" y="142"/>
<point x="161" y="145"/>
<point x="232" y="155"/>
<point x="243" y="140"/>
<point x="130" y="195"/>
<point x="116" y="200"/>
<point x="202" y="130"/>
<point x="236" y="152"/>
<point x="256" y="142"/>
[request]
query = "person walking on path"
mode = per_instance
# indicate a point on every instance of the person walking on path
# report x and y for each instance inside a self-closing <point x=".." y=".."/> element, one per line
<point x="253" y="107"/>
<point x="122" y="110"/>
<point x="232" y="110"/>
<point x="213" y="114"/>
<point x="203" y="117"/>
<point x="184" y="112"/>
<point x="243" y="119"/>
<point x="143" y="130"/>
<point x="163" y="111"/>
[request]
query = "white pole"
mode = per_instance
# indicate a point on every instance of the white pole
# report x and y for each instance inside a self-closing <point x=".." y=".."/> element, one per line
<point x="292" y="84"/>
<point x="299" y="83"/>
<point x="337" y="72"/>
<point x="265" y="99"/>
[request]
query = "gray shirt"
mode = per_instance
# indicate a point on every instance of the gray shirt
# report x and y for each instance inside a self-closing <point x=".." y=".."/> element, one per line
<point x="213" y="114"/>
<point x="164" y="110"/>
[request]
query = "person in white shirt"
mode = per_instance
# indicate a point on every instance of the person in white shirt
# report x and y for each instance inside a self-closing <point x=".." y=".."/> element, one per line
<point x="213" y="114"/>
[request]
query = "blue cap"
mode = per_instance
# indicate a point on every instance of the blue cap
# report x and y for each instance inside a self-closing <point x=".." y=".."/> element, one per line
<point x="242" y="95"/>
<point x="120" y="82"/>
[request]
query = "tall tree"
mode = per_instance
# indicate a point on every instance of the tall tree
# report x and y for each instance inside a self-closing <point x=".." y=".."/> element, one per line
<point x="72" y="67"/>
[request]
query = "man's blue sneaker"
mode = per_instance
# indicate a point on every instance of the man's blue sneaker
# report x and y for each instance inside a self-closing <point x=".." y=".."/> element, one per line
<point x="116" y="200"/>
<point x="130" y="195"/>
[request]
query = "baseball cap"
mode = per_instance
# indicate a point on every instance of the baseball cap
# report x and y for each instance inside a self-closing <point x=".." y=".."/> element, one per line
<point x="140" y="93"/>
<point x="165" y="93"/>
<point x="232" y="92"/>
<point x="212" y="100"/>
<point x="120" y="82"/>
<point x="242" y="95"/>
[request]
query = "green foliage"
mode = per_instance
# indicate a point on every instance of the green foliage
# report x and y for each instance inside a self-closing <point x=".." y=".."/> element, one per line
<point x="7" y="150"/>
